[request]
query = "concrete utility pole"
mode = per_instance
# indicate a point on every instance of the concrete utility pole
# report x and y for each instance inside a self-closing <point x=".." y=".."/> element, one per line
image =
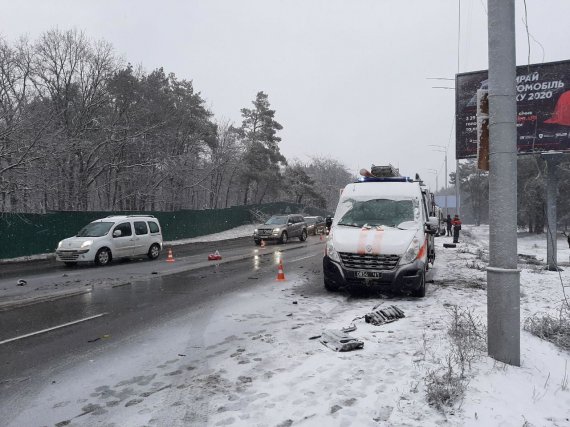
<point x="503" y="292"/>
<point x="552" y="160"/>
<point x="457" y="192"/>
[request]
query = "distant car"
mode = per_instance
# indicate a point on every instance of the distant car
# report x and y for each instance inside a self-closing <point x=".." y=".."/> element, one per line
<point x="328" y="223"/>
<point x="113" y="237"/>
<point x="441" y="229"/>
<point x="281" y="228"/>
<point x="315" y="225"/>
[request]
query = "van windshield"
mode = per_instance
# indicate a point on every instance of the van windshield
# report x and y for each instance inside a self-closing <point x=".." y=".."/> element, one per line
<point x="95" y="229"/>
<point x="376" y="212"/>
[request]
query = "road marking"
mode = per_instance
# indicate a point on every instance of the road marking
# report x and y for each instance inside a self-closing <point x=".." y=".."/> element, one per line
<point x="305" y="257"/>
<point x="52" y="328"/>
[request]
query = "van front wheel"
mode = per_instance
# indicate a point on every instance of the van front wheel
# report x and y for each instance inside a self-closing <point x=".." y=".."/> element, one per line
<point x="330" y="286"/>
<point x="154" y="251"/>
<point x="421" y="291"/>
<point x="103" y="256"/>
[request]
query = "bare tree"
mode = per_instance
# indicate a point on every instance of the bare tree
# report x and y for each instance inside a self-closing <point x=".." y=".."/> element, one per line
<point x="22" y="122"/>
<point x="330" y="177"/>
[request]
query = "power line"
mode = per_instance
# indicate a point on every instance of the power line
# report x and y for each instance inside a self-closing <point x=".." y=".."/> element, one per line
<point x="458" y="35"/>
<point x="527" y="36"/>
<point x="530" y="36"/>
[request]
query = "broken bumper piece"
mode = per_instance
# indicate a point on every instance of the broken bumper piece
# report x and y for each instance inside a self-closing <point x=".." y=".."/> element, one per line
<point x="339" y="341"/>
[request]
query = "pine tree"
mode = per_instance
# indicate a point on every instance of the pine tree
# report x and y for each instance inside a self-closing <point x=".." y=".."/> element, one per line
<point x="262" y="159"/>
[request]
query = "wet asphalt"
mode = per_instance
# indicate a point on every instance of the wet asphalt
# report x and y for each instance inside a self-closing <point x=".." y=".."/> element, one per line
<point x="127" y="310"/>
<point x="17" y="269"/>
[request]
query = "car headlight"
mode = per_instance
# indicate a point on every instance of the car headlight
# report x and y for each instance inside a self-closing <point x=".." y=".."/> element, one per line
<point x="86" y="244"/>
<point x="412" y="252"/>
<point x="276" y="230"/>
<point x="255" y="231"/>
<point x="59" y="244"/>
<point x="331" y="252"/>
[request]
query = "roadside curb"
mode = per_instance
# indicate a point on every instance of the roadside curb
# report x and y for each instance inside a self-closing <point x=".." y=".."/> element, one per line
<point x="52" y="296"/>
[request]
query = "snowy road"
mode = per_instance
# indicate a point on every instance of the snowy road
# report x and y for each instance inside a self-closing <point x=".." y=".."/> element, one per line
<point x="114" y="315"/>
<point x="235" y="349"/>
<point x="48" y="280"/>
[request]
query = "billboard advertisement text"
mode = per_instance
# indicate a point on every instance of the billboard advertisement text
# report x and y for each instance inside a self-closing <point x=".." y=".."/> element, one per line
<point x="543" y="108"/>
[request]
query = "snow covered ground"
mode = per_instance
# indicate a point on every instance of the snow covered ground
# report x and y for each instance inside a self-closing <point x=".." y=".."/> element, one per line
<point x="248" y="360"/>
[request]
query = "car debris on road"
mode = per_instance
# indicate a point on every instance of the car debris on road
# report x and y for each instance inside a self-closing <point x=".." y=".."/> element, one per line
<point x="384" y="315"/>
<point x="215" y="256"/>
<point x="339" y="341"/>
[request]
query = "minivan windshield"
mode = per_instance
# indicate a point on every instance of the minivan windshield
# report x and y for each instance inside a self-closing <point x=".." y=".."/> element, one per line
<point x="376" y="212"/>
<point x="95" y="229"/>
<point x="276" y="220"/>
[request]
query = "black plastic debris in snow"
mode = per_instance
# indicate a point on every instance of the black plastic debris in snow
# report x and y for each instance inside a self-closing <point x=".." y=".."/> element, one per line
<point x="384" y="315"/>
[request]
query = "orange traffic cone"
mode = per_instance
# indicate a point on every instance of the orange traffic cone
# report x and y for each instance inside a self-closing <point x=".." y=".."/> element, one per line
<point x="280" y="274"/>
<point x="170" y="258"/>
<point x="262" y="243"/>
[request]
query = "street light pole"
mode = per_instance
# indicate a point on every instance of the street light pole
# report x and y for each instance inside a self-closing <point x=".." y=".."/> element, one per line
<point x="444" y="150"/>
<point x="436" y="176"/>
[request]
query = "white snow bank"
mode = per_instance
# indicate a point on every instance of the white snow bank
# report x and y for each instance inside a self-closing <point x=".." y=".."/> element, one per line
<point x="233" y="233"/>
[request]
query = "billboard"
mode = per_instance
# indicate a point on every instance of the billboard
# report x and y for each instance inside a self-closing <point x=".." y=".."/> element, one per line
<point x="543" y="108"/>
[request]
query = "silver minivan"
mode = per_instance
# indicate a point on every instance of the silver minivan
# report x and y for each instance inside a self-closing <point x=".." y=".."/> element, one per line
<point x="113" y="237"/>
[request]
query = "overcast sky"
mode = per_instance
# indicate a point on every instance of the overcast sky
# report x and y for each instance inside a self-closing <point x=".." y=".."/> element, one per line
<point x="348" y="79"/>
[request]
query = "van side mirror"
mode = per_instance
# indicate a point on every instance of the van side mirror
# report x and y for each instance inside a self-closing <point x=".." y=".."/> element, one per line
<point x="431" y="225"/>
<point x="117" y="233"/>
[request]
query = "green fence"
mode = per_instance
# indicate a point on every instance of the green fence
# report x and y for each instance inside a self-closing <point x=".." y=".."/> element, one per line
<point x="32" y="234"/>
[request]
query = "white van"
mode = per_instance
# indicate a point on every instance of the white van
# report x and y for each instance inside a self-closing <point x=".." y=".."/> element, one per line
<point x="114" y="237"/>
<point x="380" y="237"/>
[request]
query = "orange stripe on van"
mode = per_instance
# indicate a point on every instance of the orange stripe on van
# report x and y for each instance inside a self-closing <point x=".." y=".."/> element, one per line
<point x="361" y="248"/>
<point x="376" y="244"/>
<point x="422" y="251"/>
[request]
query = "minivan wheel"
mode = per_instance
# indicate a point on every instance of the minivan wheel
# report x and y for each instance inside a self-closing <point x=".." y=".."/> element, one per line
<point x="154" y="251"/>
<point x="421" y="291"/>
<point x="103" y="256"/>
<point x="303" y="236"/>
<point x="283" y="238"/>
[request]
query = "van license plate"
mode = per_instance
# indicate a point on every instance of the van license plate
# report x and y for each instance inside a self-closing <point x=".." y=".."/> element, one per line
<point x="368" y="274"/>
